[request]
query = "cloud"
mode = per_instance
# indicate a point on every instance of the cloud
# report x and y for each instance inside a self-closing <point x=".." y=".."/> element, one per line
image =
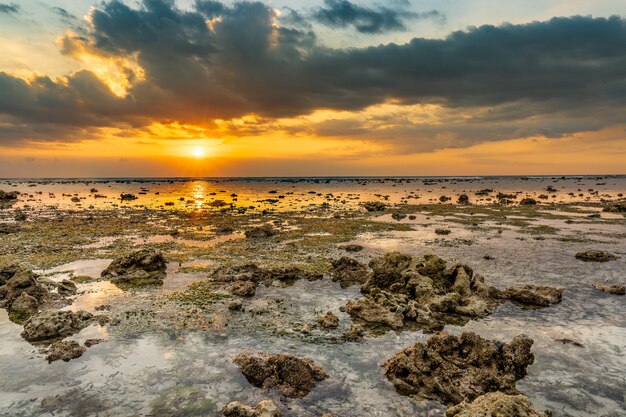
<point x="343" y="13"/>
<point x="220" y="62"/>
<point x="11" y="8"/>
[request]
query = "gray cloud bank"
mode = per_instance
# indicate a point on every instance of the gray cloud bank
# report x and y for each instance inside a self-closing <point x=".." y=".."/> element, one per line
<point x="555" y="77"/>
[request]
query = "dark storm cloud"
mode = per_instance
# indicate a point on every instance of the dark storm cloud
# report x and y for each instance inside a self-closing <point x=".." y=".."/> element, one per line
<point x="218" y="61"/>
<point x="9" y="8"/>
<point x="342" y="13"/>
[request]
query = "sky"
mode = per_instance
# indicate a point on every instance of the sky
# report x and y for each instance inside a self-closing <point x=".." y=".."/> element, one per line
<point x="161" y="88"/>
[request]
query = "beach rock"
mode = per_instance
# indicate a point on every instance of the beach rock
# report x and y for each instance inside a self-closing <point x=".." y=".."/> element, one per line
<point x="354" y="334"/>
<point x="348" y="272"/>
<point x="375" y="311"/>
<point x="496" y="404"/>
<point x="22" y="293"/>
<point x="452" y="369"/>
<point x="92" y="342"/>
<point x="7" y="272"/>
<point x="374" y="206"/>
<point x="267" y="230"/>
<point x="611" y="289"/>
<point x="293" y="377"/>
<point x="595" y="256"/>
<point x="235" y="305"/>
<point x="618" y="207"/>
<point x="143" y="267"/>
<point x="8" y="196"/>
<point x="244" y="289"/>
<point x="403" y="290"/>
<point x="442" y="232"/>
<point x="463" y="200"/>
<point x="128" y="197"/>
<point x="24" y="305"/>
<point x="352" y="248"/>
<point x="66" y="287"/>
<point x="398" y="216"/>
<point x="534" y="295"/>
<point x="65" y="350"/>
<point x="528" y="202"/>
<point x="255" y="274"/>
<point x="265" y="408"/>
<point x="51" y="325"/>
<point x="328" y="321"/>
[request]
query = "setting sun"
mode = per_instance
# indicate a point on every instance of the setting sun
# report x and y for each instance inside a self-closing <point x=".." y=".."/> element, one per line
<point x="198" y="152"/>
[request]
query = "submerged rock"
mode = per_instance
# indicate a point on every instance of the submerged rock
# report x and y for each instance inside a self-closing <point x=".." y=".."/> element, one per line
<point x="496" y="404"/>
<point x="452" y="369"/>
<point x="348" y="272"/>
<point x="51" y="325"/>
<point x="534" y="295"/>
<point x="265" y="408"/>
<point x="65" y="350"/>
<point x="144" y="267"/>
<point x="595" y="256"/>
<point x="611" y="289"/>
<point x="328" y="321"/>
<point x="267" y="230"/>
<point x="293" y="377"/>
<point x="402" y="289"/>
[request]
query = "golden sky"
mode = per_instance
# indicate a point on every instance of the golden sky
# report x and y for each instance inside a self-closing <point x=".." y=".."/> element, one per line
<point x="169" y="88"/>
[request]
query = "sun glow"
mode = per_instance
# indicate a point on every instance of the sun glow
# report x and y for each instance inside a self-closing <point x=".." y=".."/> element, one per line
<point x="198" y="152"/>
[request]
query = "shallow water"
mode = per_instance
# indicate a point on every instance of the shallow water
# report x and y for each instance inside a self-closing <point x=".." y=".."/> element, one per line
<point x="159" y="371"/>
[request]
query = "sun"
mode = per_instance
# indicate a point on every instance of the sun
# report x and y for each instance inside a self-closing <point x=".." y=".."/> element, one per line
<point x="198" y="152"/>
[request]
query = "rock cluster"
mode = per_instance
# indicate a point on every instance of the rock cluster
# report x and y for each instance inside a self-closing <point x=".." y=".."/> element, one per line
<point x="403" y="290"/>
<point x="595" y="256"/>
<point x="143" y="267"/>
<point x="496" y="404"/>
<point x="52" y="325"/>
<point x="265" y="408"/>
<point x="452" y="369"/>
<point x="293" y="377"/>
